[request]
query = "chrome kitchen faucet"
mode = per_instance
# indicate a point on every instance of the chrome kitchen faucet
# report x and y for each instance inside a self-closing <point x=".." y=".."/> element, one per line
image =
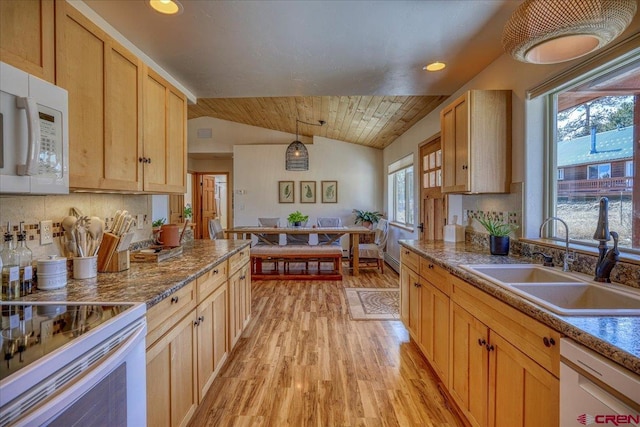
<point x="567" y="259"/>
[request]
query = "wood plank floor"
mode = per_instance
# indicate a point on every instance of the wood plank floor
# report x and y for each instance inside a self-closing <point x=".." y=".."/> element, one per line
<point x="303" y="362"/>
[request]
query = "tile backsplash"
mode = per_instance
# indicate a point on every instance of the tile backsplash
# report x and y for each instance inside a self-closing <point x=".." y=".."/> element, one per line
<point x="33" y="209"/>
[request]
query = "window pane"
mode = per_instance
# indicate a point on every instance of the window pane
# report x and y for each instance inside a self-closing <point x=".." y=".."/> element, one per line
<point x="409" y="196"/>
<point x="594" y="150"/>
<point x="401" y="183"/>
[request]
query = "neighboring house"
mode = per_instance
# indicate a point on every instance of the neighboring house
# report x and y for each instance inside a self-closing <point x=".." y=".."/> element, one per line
<point x="596" y="165"/>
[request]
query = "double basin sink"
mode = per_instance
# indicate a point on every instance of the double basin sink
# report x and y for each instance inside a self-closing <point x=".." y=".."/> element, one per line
<point x="569" y="294"/>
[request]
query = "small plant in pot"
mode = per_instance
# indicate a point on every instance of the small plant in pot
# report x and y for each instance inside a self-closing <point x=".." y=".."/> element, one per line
<point x="498" y="234"/>
<point x="297" y="218"/>
<point x="367" y="218"/>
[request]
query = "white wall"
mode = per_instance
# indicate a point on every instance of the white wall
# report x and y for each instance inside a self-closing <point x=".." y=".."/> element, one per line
<point x="258" y="168"/>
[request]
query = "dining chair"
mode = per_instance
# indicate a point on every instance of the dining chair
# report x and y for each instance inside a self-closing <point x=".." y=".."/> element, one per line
<point x="273" y="239"/>
<point x="298" y="239"/>
<point x="329" y="238"/>
<point x="374" y="252"/>
<point x="215" y="229"/>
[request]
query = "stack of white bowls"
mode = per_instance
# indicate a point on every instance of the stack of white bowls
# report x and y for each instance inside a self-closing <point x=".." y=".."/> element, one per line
<point x="52" y="272"/>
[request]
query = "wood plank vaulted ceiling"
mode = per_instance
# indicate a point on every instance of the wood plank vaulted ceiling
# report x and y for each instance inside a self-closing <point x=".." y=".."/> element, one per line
<point x="373" y="121"/>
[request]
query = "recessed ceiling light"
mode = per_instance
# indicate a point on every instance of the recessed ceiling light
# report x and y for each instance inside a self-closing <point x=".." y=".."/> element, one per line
<point x="434" y="66"/>
<point x="168" y="7"/>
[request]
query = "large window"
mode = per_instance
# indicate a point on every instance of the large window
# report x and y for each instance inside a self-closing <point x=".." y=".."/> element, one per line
<point x="401" y="192"/>
<point x="593" y="152"/>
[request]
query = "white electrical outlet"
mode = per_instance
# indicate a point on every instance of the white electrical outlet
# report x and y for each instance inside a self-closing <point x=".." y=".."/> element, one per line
<point x="46" y="232"/>
<point x="140" y="221"/>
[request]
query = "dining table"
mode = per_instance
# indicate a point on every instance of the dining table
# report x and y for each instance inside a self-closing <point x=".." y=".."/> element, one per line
<point x="354" y="232"/>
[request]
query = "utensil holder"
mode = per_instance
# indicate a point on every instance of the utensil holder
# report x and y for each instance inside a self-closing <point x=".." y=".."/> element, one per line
<point x="113" y="255"/>
<point x="85" y="267"/>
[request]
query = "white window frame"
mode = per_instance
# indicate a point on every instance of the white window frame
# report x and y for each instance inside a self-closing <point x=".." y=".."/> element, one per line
<point x="402" y="166"/>
<point x="561" y="174"/>
<point x="628" y="169"/>
<point x="551" y="157"/>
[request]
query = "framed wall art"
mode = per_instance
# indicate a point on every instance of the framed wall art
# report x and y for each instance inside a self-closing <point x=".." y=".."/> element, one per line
<point x="307" y="191"/>
<point x="286" y="191"/>
<point x="329" y="191"/>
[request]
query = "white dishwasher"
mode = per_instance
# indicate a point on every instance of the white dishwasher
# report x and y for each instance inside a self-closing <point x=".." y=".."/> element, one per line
<point x="594" y="390"/>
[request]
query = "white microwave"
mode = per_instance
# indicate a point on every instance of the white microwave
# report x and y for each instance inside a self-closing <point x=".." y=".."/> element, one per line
<point x="34" y="134"/>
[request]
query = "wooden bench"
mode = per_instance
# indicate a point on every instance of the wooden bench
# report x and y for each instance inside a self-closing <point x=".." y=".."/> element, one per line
<point x="292" y="254"/>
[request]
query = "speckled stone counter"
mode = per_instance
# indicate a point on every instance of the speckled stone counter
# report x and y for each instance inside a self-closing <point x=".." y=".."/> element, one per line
<point x="147" y="282"/>
<point x="615" y="337"/>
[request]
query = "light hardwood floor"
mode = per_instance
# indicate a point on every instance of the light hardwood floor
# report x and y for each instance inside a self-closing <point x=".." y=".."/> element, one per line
<point x="303" y="362"/>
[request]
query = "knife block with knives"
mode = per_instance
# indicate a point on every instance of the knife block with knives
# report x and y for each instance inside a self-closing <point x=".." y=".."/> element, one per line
<point x="113" y="255"/>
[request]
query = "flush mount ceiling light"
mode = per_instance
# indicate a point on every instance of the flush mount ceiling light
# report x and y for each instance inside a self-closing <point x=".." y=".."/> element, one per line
<point x="168" y="7"/>
<point x="297" y="157"/>
<point x="435" y="66"/>
<point x="552" y="31"/>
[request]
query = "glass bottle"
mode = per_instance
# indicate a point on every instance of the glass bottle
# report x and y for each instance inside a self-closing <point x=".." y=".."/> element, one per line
<point x="10" y="268"/>
<point x="24" y="262"/>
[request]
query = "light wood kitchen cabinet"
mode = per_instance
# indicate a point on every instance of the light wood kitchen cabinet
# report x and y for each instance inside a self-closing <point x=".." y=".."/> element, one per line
<point x="476" y="143"/>
<point x="27" y="36"/>
<point x="211" y="326"/>
<point x="104" y="81"/>
<point x="427" y="307"/>
<point x="500" y="366"/>
<point x="239" y="303"/>
<point x="239" y="295"/>
<point x="493" y="382"/>
<point x="127" y="124"/>
<point x="434" y="327"/>
<point x="172" y="396"/>
<point x="165" y="135"/>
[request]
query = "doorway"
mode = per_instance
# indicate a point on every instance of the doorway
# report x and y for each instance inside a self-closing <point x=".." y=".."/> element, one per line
<point x="432" y="202"/>
<point x="210" y="201"/>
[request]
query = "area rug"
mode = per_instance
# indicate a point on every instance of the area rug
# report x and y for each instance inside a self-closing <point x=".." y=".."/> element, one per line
<point x="373" y="303"/>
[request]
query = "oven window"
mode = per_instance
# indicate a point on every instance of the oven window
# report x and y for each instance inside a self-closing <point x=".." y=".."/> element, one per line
<point x="104" y="405"/>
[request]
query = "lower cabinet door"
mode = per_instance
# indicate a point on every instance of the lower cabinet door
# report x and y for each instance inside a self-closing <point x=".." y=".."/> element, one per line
<point x="469" y="366"/>
<point x="171" y="376"/>
<point x="521" y="392"/>
<point x="212" y="338"/>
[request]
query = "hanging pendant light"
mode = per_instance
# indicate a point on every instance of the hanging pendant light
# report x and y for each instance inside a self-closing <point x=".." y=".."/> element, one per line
<point x="552" y="31"/>
<point x="297" y="156"/>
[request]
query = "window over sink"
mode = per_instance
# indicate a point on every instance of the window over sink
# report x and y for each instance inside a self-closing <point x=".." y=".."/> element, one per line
<point x="594" y="152"/>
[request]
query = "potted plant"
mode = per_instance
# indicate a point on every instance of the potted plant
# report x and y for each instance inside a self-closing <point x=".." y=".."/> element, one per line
<point x="297" y="218"/>
<point x="498" y="234"/>
<point x="187" y="212"/>
<point x="367" y="218"/>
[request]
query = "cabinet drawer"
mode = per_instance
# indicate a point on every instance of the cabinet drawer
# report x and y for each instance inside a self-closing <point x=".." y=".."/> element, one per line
<point x="436" y="275"/>
<point x="162" y="316"/>
<point x="410" y="259"/>
<point x="238" y="260"/>
<point x="211" y="280"/>
<point x="538" y="341"/>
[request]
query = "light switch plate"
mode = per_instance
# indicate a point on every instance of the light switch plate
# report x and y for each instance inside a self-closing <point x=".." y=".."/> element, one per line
<point x="140" y="221"/>
<point x="46" y="232"/>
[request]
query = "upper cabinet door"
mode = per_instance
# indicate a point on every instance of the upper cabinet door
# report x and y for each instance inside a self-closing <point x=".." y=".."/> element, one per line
<point x="104" y="81"/>
<point x="476" y="143"/>
<point x="165" y="118"/>
<point x="27" y="36"/>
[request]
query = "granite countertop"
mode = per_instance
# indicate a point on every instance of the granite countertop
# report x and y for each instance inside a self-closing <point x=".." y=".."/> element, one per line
<point x="615" y="337"/>
<point x="148" y="282"/>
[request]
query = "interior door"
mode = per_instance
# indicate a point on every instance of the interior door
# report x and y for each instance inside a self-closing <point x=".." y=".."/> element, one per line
<point x="432" y="201"/>
<point x="176" y="207"/>
<point x="209" y="209"/>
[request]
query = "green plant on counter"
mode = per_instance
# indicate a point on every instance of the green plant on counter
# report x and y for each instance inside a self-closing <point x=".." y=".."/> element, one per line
<point x="497" y="227"/>
<point x="297" y="218"/>
<point x="363" y="217"/>
<point x="187" y="212"/>
<point x="158" y="222"/>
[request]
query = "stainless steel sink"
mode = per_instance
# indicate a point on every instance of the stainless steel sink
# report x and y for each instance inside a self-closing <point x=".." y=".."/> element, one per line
<point x="570" y="294"/>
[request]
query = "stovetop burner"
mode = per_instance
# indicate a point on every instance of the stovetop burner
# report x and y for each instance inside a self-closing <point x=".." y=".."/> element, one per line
<point x="30" y="331"/>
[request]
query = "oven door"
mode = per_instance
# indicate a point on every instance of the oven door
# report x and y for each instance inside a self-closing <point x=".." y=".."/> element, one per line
<point x="106" y="386"/>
